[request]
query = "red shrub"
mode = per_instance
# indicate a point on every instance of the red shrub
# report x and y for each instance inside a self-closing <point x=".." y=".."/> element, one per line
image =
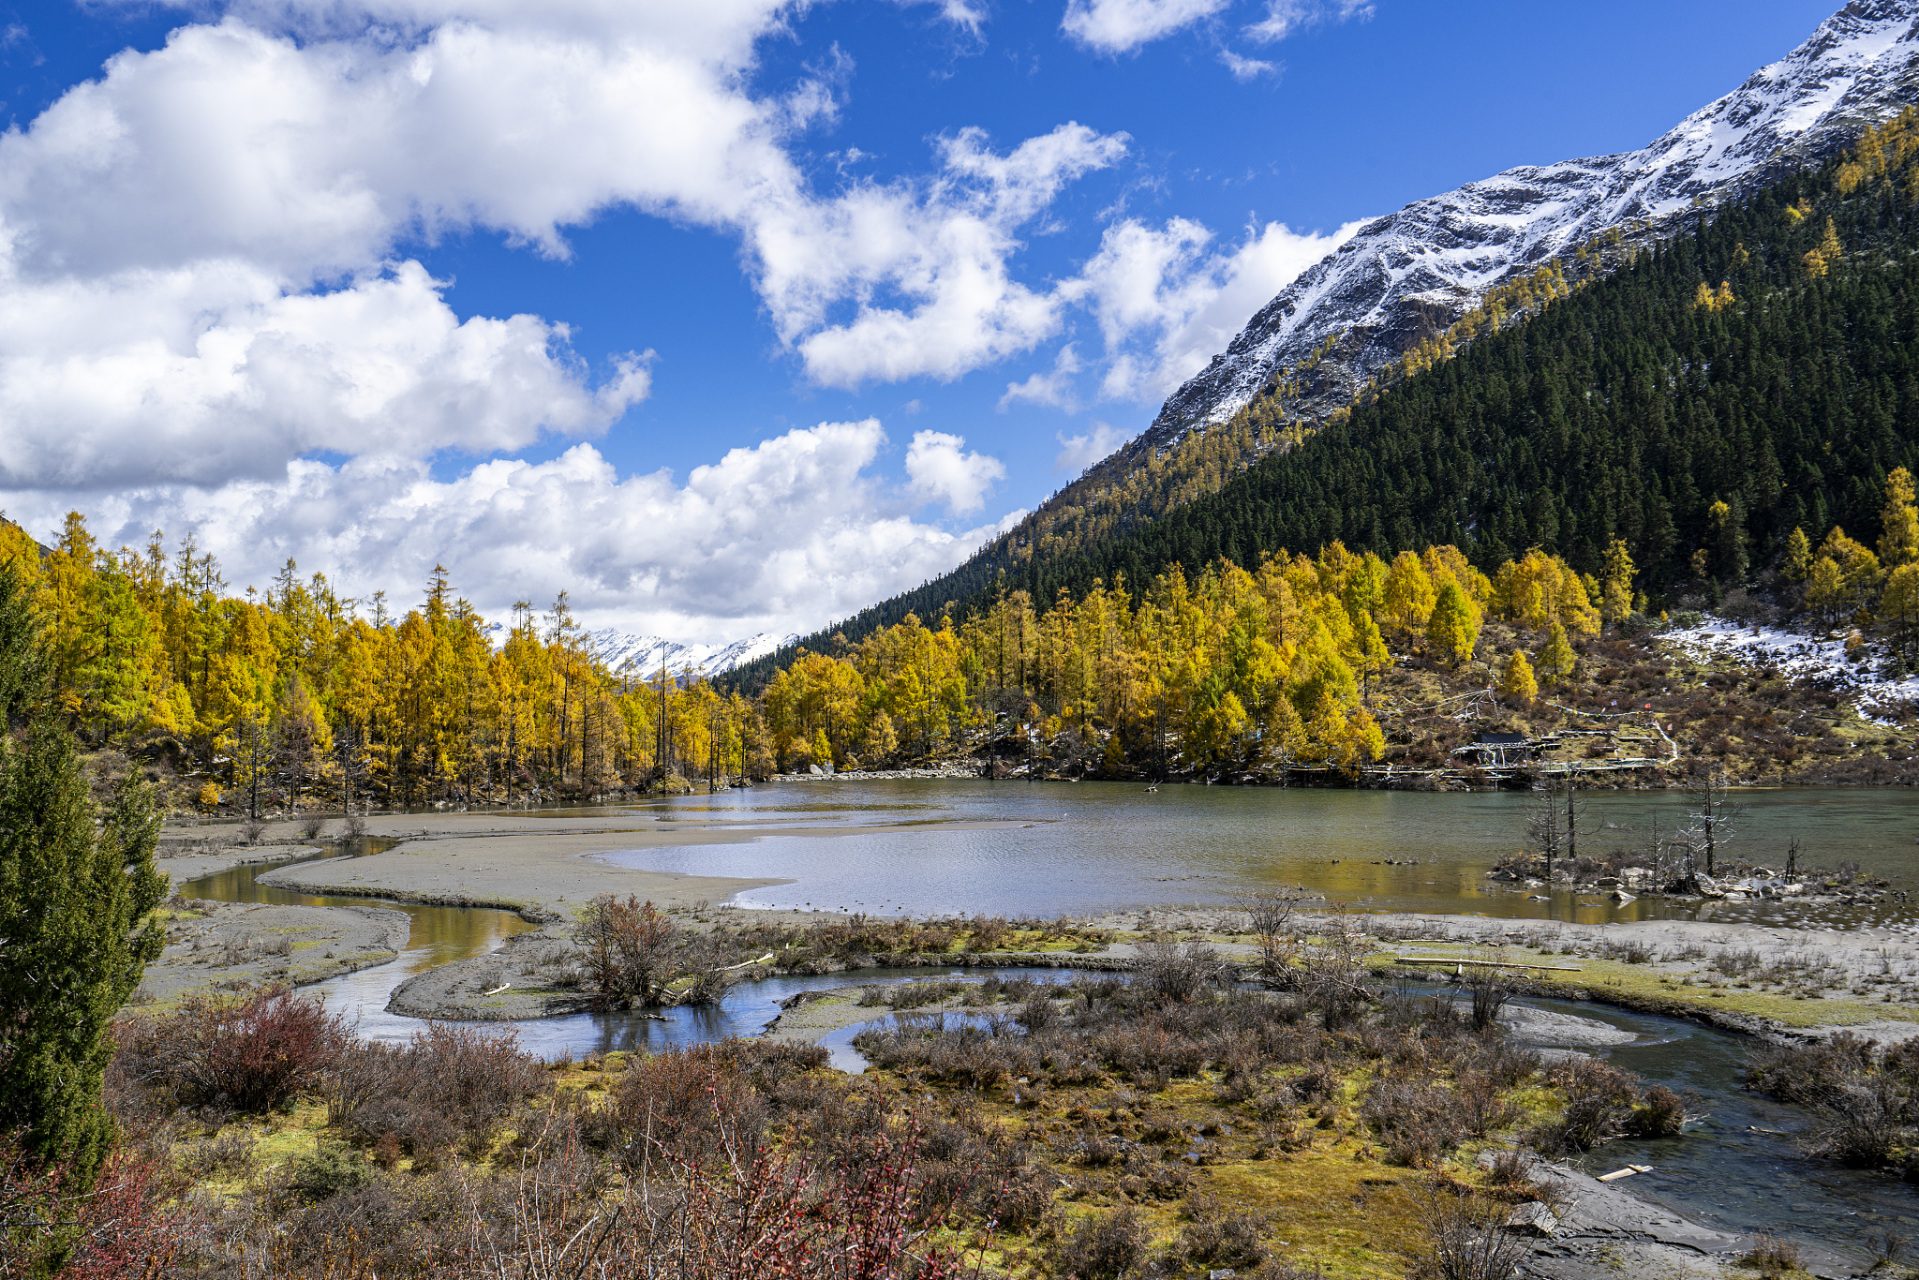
<point x="250" y="1054"/>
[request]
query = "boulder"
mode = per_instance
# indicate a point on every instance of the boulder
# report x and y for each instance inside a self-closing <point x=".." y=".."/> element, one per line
<point x="1532" y="1219"/>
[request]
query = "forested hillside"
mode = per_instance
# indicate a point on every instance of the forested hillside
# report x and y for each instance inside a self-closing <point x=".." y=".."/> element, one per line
<point x="1767" y="362"/>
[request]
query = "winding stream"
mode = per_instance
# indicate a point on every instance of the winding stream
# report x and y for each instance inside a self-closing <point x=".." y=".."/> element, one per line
<point x="1077" y="846"/>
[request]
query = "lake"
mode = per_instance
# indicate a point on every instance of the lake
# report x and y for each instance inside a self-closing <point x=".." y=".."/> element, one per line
<point x="1045" y="849"/>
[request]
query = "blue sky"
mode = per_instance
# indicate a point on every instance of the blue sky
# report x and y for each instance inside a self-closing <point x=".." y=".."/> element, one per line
<point x="281" y="256"/>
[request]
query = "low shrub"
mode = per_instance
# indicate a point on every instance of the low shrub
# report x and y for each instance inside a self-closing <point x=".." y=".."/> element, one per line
<point x="1417" y="1121"/>
<point x="449" y="1086"/>
<point x="330" y="1170"/>
<point x="1600" y="1101"/>
<point x="1770" y="1256"/>
<point x="1466" y="1239"/>
<point x="1101" y="1247"/>
<point x="252" y="1053"/>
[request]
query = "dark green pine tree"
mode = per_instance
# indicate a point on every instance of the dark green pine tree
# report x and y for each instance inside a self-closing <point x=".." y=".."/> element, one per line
<point x="77" y="891"/>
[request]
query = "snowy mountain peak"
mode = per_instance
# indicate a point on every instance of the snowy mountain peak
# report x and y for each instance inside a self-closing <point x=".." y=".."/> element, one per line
<point x="643" y="655"/>
<point x="1411" y="274"/>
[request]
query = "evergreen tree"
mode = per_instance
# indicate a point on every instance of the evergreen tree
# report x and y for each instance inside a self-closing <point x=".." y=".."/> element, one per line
<point x="1899" y="543"/>
<point x="74" y="928"/>
<point x="1797" y="561"/>
<point x="1615" y="602"/>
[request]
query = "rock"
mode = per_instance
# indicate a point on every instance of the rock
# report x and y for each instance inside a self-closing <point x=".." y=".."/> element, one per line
<point x="1622" y="897"/>
<point x="1532" y="1219"/>
<point x="1635" y="877"/>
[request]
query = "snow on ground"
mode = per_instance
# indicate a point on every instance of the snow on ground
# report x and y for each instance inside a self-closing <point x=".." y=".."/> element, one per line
<point x="1799" y="656"/>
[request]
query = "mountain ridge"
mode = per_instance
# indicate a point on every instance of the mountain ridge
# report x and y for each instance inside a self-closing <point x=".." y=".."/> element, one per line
<point x="1405" y="277"/>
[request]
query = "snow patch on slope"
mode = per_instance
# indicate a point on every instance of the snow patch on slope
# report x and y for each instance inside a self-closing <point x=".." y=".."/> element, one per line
<point x="1798" y="656"/>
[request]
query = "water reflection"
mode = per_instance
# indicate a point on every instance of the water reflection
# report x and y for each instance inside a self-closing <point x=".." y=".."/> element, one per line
<point x="1064" y="848"/>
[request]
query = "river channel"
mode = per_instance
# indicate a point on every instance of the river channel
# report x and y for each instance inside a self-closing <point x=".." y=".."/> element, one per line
<point x="1054" y="849"/>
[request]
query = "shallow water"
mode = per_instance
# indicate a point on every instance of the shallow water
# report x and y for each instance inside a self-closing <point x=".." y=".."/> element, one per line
<point x="437" y="936"/>
<point x="1046" y="849"/>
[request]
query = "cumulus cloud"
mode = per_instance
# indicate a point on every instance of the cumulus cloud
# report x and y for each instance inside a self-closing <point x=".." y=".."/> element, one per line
<point x="781" y="536"/>
<point x="945" y="250"/>
<point x="207" y="373"/>
<point x="1081" y="451"/>
<point x="1284" y="17"/>
<point x="1121" y="26"/>
<point x="1053" y="386"/>
<point x="940" y="471"/>
<point x="310" y="158"/>
<point x="1166" y="302"/>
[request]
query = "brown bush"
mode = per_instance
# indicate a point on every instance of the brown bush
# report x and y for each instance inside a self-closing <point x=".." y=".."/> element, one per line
<point x="1102" y="1247"/>
<point x="1417" y="1120"/>
<point x="445" y="1086"/>
<point x="249" y="1054"/>
<point x="1600" y="1099"/>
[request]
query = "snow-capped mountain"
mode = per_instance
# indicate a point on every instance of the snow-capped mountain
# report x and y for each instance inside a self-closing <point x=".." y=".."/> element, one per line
<point x="1413" y="273"/>
<point x="642" y="655"/>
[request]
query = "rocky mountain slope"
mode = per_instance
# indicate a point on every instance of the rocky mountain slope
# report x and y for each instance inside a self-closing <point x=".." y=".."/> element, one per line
<point x="1408" y="276"/>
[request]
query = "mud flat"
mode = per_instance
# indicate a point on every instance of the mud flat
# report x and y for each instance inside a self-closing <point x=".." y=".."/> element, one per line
<point x="228" y="946"/>
<point x="545" y="873"/>
<point x="184" y="860"/>
<point x="1603" y="1231"/>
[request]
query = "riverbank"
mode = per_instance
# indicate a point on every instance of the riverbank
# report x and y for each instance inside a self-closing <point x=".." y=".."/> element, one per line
<point x="223" y="947"/>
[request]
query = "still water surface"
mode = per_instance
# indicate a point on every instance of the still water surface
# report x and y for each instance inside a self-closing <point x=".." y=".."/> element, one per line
<point x="1046" y="849"/>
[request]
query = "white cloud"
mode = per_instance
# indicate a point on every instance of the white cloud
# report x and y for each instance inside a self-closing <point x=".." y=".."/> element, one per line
<point x="1284" y="17"/>
<point x="201" y="374"/>
<point x="941" y="472"/>
<point x="1081" y="451"/>
<point x="1053" y="387"/>
<point x="785" y="535"/>
<point x="970" y="18"/>
<point x="1246" y="68"/>
<point x="943" y="249"/>
<point x="315" y="157"/>
<point x="1166" y="304"/>
<point x="1121" y="26"/>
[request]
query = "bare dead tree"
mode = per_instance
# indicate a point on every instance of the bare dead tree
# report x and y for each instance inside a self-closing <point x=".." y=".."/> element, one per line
<point x="1712" y="817"/>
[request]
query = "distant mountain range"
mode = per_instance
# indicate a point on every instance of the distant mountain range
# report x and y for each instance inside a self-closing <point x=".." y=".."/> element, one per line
<point x="643" y="655"/>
